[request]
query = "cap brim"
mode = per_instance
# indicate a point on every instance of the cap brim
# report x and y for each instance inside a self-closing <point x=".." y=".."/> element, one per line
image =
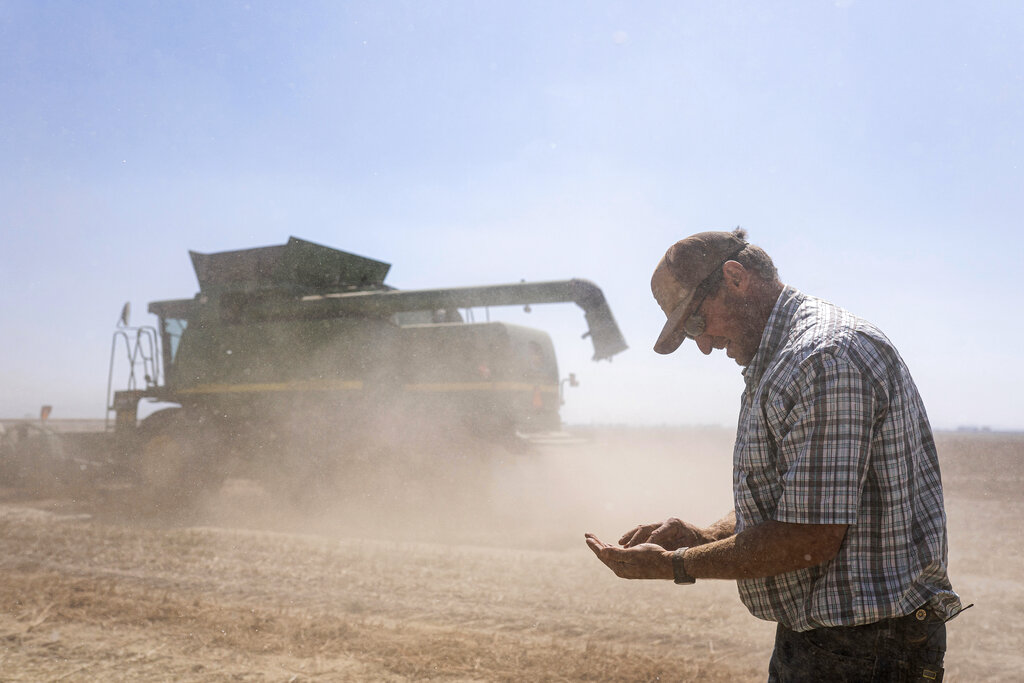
<point x="672" y="335"/>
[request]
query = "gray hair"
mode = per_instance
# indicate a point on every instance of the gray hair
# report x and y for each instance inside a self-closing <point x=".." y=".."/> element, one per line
<point x="751" y="257"/>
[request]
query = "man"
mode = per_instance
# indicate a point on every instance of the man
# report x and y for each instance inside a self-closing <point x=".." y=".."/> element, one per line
<point x="838" y="532"/>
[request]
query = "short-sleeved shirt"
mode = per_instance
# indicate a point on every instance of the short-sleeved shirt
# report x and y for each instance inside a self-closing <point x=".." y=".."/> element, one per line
<point x="832" y="430"/>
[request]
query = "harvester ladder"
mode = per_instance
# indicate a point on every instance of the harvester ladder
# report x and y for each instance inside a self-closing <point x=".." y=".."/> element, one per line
<point x="141" y="349"/>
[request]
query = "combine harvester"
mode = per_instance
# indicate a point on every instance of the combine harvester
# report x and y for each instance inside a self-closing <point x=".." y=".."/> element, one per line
<point x="296" y="362"/>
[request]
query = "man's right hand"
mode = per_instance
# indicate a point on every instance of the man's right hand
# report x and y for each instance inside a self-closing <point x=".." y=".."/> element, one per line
<point x="671" y="534"/>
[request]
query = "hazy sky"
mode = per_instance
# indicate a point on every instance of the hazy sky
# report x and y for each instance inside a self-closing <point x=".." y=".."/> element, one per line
<point x="873" y="148"/>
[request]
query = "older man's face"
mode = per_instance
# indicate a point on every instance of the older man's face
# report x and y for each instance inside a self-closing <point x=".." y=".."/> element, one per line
<point x="731" y="322"/>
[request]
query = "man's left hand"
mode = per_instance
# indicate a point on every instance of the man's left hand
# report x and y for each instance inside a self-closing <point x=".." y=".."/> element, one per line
<point x="644" y="561"/>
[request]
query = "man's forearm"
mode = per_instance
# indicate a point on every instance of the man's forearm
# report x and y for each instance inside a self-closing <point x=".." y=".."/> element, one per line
<point x="767" y="549"/>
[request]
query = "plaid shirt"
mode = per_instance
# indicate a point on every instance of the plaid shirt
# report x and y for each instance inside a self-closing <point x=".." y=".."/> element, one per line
<point x="832" y="431"/>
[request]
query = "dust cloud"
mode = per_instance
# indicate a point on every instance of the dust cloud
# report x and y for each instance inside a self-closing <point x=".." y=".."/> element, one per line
<point x="461" y="489"/>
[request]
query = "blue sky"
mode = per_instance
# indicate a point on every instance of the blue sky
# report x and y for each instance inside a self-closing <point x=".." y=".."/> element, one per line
<point x="874" y="149"/>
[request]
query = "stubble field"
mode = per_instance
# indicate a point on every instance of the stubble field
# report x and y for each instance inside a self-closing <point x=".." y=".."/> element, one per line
<point x="480" y="575"/>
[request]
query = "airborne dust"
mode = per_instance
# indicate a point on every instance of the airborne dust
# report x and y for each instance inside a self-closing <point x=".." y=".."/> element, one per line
<point x="459" y="488"/>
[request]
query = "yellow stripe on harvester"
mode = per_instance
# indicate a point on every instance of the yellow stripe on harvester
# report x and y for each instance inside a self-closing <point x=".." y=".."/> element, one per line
<point x="260" y="387"/>
<point x="482" y="386"/>
<point x="348" y="385"/>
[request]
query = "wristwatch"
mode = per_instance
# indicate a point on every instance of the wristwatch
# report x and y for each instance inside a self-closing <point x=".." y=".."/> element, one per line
<point x="678" y="568"/>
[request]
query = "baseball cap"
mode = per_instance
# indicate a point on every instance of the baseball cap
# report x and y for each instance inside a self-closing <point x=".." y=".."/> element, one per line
<point x="682" y="270"/>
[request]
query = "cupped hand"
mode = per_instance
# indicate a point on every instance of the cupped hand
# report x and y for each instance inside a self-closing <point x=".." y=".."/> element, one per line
<point x="671" y="534"/>
<point x="642" y="561"/>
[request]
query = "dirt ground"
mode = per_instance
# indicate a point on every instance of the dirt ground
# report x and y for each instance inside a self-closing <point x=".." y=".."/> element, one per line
<point x="480" y="576"/>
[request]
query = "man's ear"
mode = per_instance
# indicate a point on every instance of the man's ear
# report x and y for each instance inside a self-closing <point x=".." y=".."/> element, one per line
<point x="736" y="276"/>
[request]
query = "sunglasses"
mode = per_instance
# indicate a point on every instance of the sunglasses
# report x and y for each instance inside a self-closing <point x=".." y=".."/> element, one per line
<point x="695" y="324"/>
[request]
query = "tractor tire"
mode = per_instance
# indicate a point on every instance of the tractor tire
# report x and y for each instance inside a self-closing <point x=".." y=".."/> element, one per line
<point x="172" y="466"/>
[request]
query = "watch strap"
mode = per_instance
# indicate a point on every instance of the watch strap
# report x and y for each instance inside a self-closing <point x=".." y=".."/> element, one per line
<point x="679" y="569"/>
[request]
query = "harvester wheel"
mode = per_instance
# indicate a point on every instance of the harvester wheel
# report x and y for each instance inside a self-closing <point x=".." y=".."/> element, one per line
<point x="169" y="466"/>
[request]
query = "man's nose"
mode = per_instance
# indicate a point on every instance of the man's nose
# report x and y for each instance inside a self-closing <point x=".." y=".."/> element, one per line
<point x="704" y="344"/>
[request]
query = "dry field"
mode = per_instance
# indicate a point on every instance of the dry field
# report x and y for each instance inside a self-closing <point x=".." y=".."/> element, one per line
<point x="480" y="577"/>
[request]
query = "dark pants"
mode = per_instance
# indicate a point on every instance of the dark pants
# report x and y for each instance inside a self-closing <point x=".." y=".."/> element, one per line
<point x="891" y="651"/>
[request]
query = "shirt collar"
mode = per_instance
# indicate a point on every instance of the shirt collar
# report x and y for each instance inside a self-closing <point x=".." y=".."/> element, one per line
<point x="775" y="331"/>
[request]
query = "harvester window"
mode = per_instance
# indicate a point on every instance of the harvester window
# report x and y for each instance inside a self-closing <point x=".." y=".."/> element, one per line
<point x="173" y="329"/>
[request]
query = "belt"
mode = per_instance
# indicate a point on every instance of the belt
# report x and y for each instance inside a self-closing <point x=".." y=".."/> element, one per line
<point x="919" y="615"/>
